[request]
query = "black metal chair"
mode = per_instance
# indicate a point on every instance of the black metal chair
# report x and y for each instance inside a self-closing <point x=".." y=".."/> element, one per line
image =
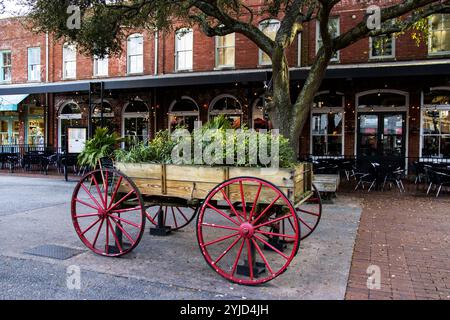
<point x="367" y="173"/>
<point x="394" y="176"/>
<point x="437" y="179"/>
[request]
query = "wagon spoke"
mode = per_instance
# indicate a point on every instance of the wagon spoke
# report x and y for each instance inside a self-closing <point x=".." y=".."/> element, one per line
<point x="86" y="215"/>
<point x="221" y="213"/>
<point x="165" y="216"/>
<point x="255" y="202"/>
<point x="91" y="226"/>
<point x="237" y="258"/>
<point x="221" y="239"/>
<point x="241" y="187"/>
<point x="107" y="240"/>
<point x="276" y="234"/>
<point x="116" y="240"/>
<point x="272" y="247"/>
<point x="97" y="234"/>
<point x="123" y="230"/>
<point x="261" y="254"/>
<point x="126" y="210"/>
<point x="303" y="222"/>
<point x="272" y="221"/>
<point x="181" y="212"/>
<point x="106" y="187"/>
<point x="127" y="222"/>
<point x="90" y="195"/>
<point x="266" y="209"/>
<point x="249" y="258"/>
<point x="212" y="225"/>
<point x="116" y="189"/>
<point x="157" y="212"/>
<point x="227" y="250"/>
<point x="86" y="204"/>
<point x="308" y="212"/>
<point x="174" y="218"/>
<point x="98" y="191"/>
<point x="238" y="216"/>
<point x="122" y="200"/>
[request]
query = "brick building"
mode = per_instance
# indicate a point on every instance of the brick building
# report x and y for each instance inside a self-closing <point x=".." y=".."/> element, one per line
<point x="386" y="96"/>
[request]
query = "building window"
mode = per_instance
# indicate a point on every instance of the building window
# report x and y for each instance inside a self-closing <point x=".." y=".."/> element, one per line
<point x="183" y="113"/>
<point x="334" y="28"/>
<point x="135" y="51"/>
<point x="436" y="124"/>
<point x="327" y="128"/>
<point x="5" y="66"/>
<point x="228" y="106"/>
<point x="135" y="125"/>
<point x="260" y="118"/>
<point x="439" y="41"/>
<point x="105" y="112"/>
<point x="34" y="64"/>
<point x="36" y="129"/>
<point x="225" y="51"/>
<point x="70" y="116"/>
<point x="184" y="42"/>
<point x="382" y="47"/>
<point x="270" y="29"/>
<point x="101" y="66"/>
<point x="69" y="61"/>
<point x="4" y="132"/>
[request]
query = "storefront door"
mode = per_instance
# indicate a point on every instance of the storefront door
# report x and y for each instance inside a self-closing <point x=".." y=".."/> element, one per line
<point x="382" y="137"/>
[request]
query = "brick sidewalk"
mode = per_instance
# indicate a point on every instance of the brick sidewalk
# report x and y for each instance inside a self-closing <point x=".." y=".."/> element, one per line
<point x="408" y="237"/>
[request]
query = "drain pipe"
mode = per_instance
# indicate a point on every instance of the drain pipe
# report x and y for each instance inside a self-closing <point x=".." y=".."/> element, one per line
<point x="46" y="111"/>
<point x="156" y="35"/>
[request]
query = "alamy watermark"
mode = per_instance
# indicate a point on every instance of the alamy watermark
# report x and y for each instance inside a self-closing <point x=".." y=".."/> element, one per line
<point x="374" y="279"/>
<point x="373" y="17"/>
<point x="73" y="279"/>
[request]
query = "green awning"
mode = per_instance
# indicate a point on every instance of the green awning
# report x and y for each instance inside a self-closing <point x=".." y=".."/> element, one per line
<point x="10" y="102"/>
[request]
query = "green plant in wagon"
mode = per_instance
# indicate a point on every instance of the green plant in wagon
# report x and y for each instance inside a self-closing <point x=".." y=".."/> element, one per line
<point x="101" y="145"/>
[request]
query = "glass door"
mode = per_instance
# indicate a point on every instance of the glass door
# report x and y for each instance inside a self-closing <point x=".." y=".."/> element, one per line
<point x="381" y="136"/>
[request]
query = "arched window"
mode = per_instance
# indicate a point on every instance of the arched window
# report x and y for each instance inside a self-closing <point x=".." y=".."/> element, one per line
<point x="106" y="112"/>
<point x="135" y="54"/>
<point x="229" y="106"/>
<point x="69" y="61"/>
<point x="183" y="112"/>
<point x="327" y="124"/>
<point x="184" y="43"/>
<point x="435" y="119"/>
<point x="269" y="28"/>
<point x="69" y="116"/>
<point x="135" y="125"/>
<point x="259" y="119"/>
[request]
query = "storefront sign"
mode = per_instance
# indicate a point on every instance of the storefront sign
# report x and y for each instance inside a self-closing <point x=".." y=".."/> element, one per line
<point x="76" y="139"/>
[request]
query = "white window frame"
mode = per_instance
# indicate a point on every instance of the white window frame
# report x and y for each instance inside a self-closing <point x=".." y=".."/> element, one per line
<point x="178" y="39"/>
<point x="261" y="27"/>
<point x="427" y="107"/>
<point x="130" y="55"/>
<point x="96" y="62"/>
<point x="134" y="115"/>
<point x="3" y="66"/>
<point x="371" y="56"/>
<point x="318" y="37"/>
<point x="77" y="116"/>
<point x="217" y="48"/>
<point x="66" y="61"/>
<point x="32" y="66"/>
<point x="182" y="113"/>
<point x="212" y="113"/>
<point x="430" y="35"/>
<point x="326" y="110"/>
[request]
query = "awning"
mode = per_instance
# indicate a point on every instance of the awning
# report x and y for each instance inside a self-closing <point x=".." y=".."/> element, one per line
<point x="10" y="102"/>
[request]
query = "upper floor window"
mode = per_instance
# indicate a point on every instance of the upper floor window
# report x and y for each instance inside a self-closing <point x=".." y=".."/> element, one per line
<point x="135" y="51"/>
<point x="225" y="51"/>
<point x="101" y="66"/>
<point x="69" y="61"/>
<point x="184" y="42"/>
<point x="34" y="64"/>
<point x="334" y="29"/>
<point x="5" y="66"/>
<point x="439" y="41"/>
<point x="382" y="46"/>
<point x="270" y="29"/>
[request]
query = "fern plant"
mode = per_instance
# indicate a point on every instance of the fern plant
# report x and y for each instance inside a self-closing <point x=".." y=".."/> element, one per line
<point x="101" y="145"/>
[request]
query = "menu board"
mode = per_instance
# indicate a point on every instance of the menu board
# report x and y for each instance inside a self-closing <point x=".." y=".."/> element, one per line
<point x="76" y="139"/>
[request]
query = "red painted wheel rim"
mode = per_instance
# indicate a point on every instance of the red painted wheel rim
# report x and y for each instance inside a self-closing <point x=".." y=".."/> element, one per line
<point x="175" y="217"/>
<point x="228" y="235"/>
<point x="309" y="213"/>
<point x="108" y="213"/>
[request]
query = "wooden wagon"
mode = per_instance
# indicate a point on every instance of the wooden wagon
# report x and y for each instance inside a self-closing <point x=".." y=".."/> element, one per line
<point x="249" y="220"/>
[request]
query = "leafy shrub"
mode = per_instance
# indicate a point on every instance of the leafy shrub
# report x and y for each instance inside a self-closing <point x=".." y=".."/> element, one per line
<point x="101" y="145"/>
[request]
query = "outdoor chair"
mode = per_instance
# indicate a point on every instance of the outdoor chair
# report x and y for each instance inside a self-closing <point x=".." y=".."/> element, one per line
<point x="395" y="176"/>
<point x="418" y="169"/>
<point x="367" y="175"/>
<point x="438" y="180"/>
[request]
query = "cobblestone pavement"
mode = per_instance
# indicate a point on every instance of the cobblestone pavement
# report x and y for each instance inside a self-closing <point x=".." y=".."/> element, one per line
<point x="408" y="237"/>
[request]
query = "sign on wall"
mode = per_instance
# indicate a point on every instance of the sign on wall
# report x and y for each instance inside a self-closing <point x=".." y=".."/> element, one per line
<point x="76" y="139"/>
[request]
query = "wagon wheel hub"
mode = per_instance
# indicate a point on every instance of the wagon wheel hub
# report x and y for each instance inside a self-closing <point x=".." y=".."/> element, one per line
<point x="102" y="213"/>
<point x="247" y="230"/>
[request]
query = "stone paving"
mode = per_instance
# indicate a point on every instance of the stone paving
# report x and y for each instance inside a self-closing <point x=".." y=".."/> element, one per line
<point x="35" y="211"/>
<point x="408" y="238"/>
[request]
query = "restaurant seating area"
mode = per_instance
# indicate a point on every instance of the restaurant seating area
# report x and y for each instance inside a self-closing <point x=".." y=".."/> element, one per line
<point x="427" y="176"/>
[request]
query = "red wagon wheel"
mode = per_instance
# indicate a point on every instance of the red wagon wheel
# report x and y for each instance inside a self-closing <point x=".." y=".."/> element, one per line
<point x="241" y="242"/>
<point x="108" y="212"/>
<point x="309" y="213"/>
<point x="175" y="217"/>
